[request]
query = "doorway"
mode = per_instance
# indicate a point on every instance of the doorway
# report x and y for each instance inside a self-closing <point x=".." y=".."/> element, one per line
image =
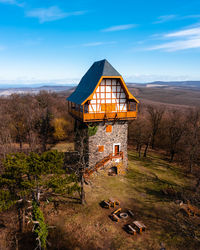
<point x="112" y="171"/>
<point x="116" y="149"/>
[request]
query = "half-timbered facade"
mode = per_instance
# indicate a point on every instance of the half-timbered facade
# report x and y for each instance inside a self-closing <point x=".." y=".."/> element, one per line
<point x="102" y="99"/>
<point x="108" y="97"/>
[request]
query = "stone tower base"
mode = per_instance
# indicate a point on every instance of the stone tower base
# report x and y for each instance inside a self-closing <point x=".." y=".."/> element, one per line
<point x="108" y="138"/>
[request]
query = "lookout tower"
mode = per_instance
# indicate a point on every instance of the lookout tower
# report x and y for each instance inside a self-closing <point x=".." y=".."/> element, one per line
<point x="102" y="105"/>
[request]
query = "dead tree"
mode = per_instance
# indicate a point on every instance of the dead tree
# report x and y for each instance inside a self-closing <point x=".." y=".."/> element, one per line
<point x="81" y="137"/>
<point x="175" y="129"/>
<point x="155" y="118"/>
<point x="140" y="134"/>
<point x="192" y="139"/>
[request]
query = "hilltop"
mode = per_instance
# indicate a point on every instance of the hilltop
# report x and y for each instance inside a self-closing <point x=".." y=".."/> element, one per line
<point x="142" y="191"/>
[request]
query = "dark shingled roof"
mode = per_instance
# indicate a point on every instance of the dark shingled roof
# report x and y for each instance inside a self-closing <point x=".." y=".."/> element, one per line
<point x="90" y="80"/>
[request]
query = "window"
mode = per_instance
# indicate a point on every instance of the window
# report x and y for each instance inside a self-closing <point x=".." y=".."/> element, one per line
<point x="109" y="128"/>
<point x="100" y="148"/>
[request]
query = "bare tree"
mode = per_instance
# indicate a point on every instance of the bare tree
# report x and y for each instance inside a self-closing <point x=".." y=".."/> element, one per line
<point x="45" y="128"/>
<point x="147" y="137"/>
<point x="5" y="135"/>
<point x="192" y="138"/>
<point x="136" y="134"/>
<point x="155" y="115"/>
<point x="175" y="129"/>
<point x="18" y="111"/>
<point x="81" y="147"/>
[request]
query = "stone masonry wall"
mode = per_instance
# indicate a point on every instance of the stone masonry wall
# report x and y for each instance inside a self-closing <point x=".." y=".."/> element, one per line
<point x="118" y="135"/>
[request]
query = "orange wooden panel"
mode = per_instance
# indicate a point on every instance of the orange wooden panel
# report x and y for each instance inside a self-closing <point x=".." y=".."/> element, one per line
<point x="109" y="128"/>
<point x="103" y="107"/>
<point x="100" y="148"/>
<point x="116" y="149"/>
<point x="101" y="116"/>
<point x="108" y="107"/>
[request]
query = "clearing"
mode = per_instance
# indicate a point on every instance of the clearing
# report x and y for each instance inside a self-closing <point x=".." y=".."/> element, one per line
<point x="141" y="190"/>
<point x="150" y="189"/>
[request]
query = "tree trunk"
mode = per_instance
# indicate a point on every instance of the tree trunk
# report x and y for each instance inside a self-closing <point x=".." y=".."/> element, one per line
<point x="172" y="153"/>
<point x="145" y="151"/>
<point x="82" y="191"/>
<point x="21" y="217"/>
<point x="139" y="150"/>
<point x="30" y="142"/>
<point x="44" y="148"/>
<point x="20" y="145"/>
<point x="38" y="196"/>
<point x="16" y="242"/>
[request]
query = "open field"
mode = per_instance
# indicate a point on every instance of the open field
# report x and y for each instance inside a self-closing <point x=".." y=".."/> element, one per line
<point x="169" y="96"/>
<point x="89" y="227"/>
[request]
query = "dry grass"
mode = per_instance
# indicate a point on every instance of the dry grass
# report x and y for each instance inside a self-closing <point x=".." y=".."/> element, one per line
<point x="89" y="227"/>
<point x="63" y="146"/>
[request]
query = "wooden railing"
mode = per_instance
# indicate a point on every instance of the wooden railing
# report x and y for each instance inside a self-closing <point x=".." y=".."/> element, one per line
<point x="86" y="117"/>
<point x="102" y="163"/>
<point x="81" y="114"/>
<point x="129" y="115"/>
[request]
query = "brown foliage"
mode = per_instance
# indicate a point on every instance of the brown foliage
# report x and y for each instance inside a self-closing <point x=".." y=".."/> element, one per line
<point x="27" y="120"/>
<point x="175" y="131"/>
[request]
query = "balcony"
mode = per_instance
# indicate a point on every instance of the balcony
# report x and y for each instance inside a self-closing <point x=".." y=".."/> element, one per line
<point x="80" y="114"/>
<point x="129" y="115"/>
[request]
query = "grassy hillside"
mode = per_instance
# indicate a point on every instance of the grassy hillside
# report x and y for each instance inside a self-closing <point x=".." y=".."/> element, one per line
<point x="90" y="227"/>
<point x="168" y="96"/>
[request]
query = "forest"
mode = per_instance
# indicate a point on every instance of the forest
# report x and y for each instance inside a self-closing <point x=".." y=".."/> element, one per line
<point x="31" y="172"/>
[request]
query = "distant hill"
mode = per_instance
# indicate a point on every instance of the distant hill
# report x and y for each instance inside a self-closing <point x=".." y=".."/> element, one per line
<point x="176" y="93"/>
<point x="6" y="91"/>
<point x="168" y="95"/>
<point x="171" y="84"/>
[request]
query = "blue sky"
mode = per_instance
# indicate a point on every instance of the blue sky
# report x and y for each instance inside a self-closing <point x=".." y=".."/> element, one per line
<point x="57" y="41"/>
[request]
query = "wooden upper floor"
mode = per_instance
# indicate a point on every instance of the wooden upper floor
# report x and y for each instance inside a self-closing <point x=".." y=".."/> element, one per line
<point x="108" y="99"/>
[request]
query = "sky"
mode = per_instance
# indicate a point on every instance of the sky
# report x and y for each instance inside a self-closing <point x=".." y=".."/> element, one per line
<point x="57" y="41"/>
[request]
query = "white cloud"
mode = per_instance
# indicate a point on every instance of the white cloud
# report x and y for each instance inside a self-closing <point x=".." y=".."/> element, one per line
<point x="51" y="14"/>
<point x="180" y="40"/>
<point x="12" y="2"/>
<point x="119" y="27"/>
<point x="178" y="45"/>
<point x="185" y="33"/>
<point x="94" y="44"/>
<point x="191" y="16"/>
<point x="163" y="19"/>
<point x="167" y="18"/>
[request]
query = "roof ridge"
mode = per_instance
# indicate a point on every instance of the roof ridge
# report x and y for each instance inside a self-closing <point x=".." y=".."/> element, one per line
<point x="91" y="78"/>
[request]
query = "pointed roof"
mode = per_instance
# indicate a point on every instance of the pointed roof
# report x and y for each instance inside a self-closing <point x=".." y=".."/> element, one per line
<point x="91" y="79"/>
